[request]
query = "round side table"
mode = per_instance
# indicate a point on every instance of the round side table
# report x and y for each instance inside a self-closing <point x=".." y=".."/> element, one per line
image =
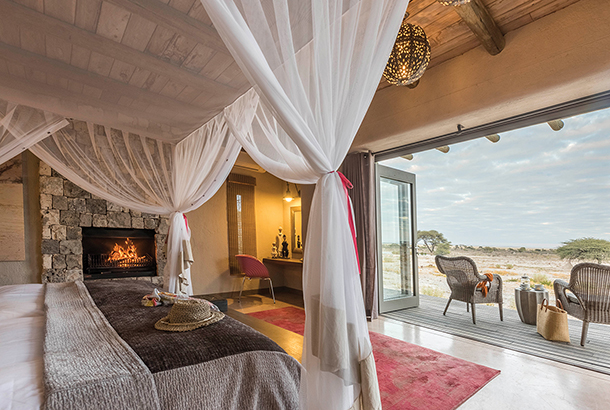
<point x="527" y="302"/>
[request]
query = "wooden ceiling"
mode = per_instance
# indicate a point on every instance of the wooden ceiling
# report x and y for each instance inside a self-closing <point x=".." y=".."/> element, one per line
<point x="155" y="67"/>
<point x="450" y="36"/>
<point x="158" y="67"/>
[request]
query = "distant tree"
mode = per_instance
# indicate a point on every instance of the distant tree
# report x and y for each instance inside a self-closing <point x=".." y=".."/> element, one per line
<point x="443" y="249"/>
<point x="585" y="249"/>
<point x="434" y="241"/>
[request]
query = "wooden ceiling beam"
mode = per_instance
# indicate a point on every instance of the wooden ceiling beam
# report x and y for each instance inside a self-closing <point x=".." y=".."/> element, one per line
<point x="159" y="104"/>
<point x="168" y="17"/>
<point x="39" y="22"/>
<point x="74" y="105"/>
<point x="478" y="19"/>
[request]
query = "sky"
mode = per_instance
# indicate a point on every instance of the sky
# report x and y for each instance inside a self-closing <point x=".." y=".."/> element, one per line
<point x="535" y="188"/>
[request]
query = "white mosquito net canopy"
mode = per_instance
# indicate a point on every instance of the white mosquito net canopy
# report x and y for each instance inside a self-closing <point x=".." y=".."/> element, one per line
<point x="313" y="67"/>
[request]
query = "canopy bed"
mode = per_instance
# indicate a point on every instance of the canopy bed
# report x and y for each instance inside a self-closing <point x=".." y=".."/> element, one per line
<point x="71" y="346"/>
<point x="313" y="67"/>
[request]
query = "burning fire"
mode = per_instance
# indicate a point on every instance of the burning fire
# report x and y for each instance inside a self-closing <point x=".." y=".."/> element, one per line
<point x="125" y="255"/>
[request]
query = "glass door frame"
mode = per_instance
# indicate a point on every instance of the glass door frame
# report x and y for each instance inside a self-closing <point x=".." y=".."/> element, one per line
<point x="382" y="171"/>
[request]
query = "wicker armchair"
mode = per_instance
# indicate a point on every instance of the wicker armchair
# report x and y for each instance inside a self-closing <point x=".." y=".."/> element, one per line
<point x="589" y="297"/>
<point x="463" y="277"/>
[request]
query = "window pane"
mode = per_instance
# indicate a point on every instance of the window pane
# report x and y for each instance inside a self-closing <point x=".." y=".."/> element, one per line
<point x="396" y="239"/>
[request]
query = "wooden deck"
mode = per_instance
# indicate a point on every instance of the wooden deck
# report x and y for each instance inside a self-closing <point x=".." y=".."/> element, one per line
<point x="511" y="333"/>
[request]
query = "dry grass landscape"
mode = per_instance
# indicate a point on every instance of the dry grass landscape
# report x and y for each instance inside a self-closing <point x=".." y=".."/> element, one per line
<point x="542" y="266"/>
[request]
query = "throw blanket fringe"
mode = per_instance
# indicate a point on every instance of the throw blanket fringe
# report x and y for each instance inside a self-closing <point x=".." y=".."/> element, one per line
<point x="86" y="364"/>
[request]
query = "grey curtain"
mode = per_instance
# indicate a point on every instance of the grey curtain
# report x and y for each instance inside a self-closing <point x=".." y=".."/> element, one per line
<point x="359" y="168"/>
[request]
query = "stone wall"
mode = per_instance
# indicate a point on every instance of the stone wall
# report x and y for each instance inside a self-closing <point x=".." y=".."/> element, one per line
<point x="66" y="209"/>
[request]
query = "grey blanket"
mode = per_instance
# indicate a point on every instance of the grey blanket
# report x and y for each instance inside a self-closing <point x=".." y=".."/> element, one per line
<point x="86" y="364"/>
<point x="222" y="366"/>
<point x="119" y="301"/>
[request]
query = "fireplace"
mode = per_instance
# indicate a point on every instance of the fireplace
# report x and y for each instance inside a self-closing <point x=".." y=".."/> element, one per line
<point x="110" y="253"/>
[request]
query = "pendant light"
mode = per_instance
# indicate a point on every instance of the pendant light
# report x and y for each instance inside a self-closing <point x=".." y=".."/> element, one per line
<point x="288" y="194"/>
<point x="410" y="55"/>
<point x="288" y="197"/>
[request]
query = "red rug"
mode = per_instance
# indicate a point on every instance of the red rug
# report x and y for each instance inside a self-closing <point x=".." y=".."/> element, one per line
<point x="410" y="376"/>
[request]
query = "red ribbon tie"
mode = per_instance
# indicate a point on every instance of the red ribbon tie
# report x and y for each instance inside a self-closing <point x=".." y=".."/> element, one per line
<point x="348" y="185"/>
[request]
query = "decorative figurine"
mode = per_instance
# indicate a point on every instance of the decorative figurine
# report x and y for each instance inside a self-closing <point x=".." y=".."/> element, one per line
<point x="284" y="248"/>
<point x="278" y="242"/>
<point x="298" y="241"/>
<point x="273" y="250"/>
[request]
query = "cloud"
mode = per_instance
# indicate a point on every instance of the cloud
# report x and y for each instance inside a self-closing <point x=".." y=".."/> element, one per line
<point x="534" y="188"/>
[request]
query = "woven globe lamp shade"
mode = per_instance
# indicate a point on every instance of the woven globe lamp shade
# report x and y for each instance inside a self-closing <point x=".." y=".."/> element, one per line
<point x="410" y="56"/>
<point x="453" y="2"/>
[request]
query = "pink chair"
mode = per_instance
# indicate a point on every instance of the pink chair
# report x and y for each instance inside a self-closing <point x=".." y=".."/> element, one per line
<point x="253" y="268"/>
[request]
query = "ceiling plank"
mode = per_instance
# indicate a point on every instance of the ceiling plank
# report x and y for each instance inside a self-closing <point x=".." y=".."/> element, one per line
<point x="178" y="49"/>
<point x="477" y="17"/>
<point x="138" y="32"/>
<point x="80" y="57"/>
<point x="112" y="22"/>
<point x="182" y="5"/>
<point x="9" y="32"/>
<point x="58" y="49"/>
<point x="198" y="13"/>
<point x="108" y="85"/>
<point x="87" y="14"/>
<point x="452" y="48"/>
<point x="415" y="7"/>
<point x="188" y="94"/>
<point x="33" y="41"/>
<point x="50" y="26"/>
<point x="37" y="5"/>
<point x="122" y="71"/>
<point x="65" y="102"/>
<point x="174" y="20"/>
<point x="64" y="10"/>
<point x="435" y="14"/>
<point x="509" y="8"/>
<point x="551" y="8"/>
<point x="198" y="58"/>
<point x="100" y="64"/>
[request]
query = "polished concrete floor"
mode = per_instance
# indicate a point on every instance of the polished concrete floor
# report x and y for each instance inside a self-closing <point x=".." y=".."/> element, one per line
<point x="526" y="382"/>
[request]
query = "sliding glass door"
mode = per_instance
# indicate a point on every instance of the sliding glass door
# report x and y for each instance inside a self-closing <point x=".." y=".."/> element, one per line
<point x="397" y="238"/>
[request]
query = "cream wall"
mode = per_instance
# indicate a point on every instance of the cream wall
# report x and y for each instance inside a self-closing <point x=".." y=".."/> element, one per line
<point x="210" y="272"/>
<point x="30" y="269"/>
<point x="561" y="57"/>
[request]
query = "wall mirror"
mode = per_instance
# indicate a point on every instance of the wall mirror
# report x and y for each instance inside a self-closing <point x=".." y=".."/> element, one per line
<point x="296" y="231"/>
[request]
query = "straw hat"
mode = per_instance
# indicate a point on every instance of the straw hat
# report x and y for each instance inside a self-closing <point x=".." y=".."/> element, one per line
<point x="188" y="315"/>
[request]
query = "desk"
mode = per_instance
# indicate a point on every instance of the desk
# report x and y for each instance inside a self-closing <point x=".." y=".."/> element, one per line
<point x="286" y="272"/>
<point x="282" y="261"/>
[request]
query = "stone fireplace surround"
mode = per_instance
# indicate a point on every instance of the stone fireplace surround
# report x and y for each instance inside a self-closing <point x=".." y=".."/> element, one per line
<point x="66" y="208"/>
